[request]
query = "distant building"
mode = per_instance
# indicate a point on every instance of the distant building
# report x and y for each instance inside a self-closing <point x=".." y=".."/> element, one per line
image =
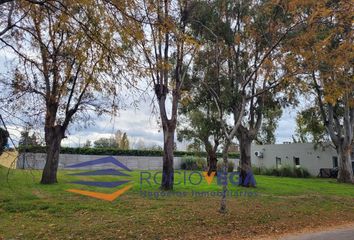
<point x="295" y="154"/>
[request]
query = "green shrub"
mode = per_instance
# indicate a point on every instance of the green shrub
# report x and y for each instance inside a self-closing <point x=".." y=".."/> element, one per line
<point x="193" y="163"/>
<point x="201" y="164"/>
<point x="230" y="167"/>
<point x="301" y="172"/>
<point x="4" y="135"/>
<point x="257" y="170"/>
<point x="275" y="172"/>
<point x="285" y="171"/>
<point x="114" y="151"/>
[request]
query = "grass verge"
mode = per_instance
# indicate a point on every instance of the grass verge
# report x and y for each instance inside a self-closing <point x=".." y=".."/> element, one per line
<point x="29" y="210"/>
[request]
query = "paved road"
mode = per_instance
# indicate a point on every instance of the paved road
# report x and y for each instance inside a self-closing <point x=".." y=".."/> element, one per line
<point x="337" y="234"/>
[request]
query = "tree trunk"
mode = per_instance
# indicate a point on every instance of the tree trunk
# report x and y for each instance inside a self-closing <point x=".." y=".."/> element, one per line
<point x="246" y="176"/>
<point x="345" y="173"/>
<point x="225" y="154"/>
<point x="167" y="167"/>
<point x="212" y="161"/>
<point x="53" y="137"/>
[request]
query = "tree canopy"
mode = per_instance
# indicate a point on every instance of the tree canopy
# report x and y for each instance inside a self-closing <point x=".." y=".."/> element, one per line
<point x="66" y="51"/>
<point x="323" y="53"/>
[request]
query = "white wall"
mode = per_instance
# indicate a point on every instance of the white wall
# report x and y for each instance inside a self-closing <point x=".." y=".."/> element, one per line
<point x="37" y="161"/>
<point x="310" y="158"/>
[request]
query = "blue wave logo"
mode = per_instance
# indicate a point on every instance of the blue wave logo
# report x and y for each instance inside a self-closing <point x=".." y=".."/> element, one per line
<point x="103" y="172"/>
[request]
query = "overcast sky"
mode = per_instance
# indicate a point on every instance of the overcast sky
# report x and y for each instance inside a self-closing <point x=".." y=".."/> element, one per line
<point x="141" y="125"/>
<point x="142" y="128"/>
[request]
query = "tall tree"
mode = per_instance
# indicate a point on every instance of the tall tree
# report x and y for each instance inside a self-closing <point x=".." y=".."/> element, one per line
<point x="106" y="143"/>
<point x="118" y="137"/>
<point x="203" y="128"/>
<point x="87" y="144"/>
<point x="246" y="37"/>
<point x="323" y="51"/>
<point x="166" y="49"/>
<point x="271" y="115"/>
<point x="64" y="61"/>
<point x="200" y="122"/>
<point x="140" y="144"/>
<point x="28" y="140"/>
<point x="124" y="143"/>
<point x="309" y="126"/>
<point x="122" y="140"/>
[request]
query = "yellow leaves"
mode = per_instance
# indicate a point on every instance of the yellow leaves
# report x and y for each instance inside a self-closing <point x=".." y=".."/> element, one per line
<point x="336" y="89"/>
<point x="186" y="98"/>
<point x="139" y="34"/>
<point x="325" y="47"/>
<point x="266" y="68"/>
<point x="237" y="38"/>
<point x="294" y="5"/>
<point x="351" y="102"/>
<point x="163" y="65"/>
<point x="189" y="40"/>
<point x="330" y="99"/>
<point x="268" y="63"/>
<point x="185" y="102"/>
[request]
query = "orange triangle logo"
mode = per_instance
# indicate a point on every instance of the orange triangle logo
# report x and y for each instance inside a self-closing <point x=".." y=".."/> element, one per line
<point x="102" y="196"/>
<point x="210" y="178"/>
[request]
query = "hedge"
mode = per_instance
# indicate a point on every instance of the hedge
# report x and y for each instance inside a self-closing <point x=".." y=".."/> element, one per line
<point x="285" y="171"/>
<point x="115" y="152"/>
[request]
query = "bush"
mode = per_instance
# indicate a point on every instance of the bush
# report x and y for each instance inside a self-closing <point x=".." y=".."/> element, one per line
<point x="286" y="171"/>
<point x="257" y="170"/>
<point x="274" y="172"/>
<point x="230" y="167"/>
<point x="193" y="163"/>
<point x="113" y="151"/>
<point x="4" y="135"/>
<point x="301" y="173"/>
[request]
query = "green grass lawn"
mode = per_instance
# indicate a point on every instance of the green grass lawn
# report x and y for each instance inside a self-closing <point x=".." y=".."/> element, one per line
<point x="29" y="210"/>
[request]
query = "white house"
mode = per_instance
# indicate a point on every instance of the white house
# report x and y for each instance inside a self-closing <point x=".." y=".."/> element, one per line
<point x="295" y="154"/>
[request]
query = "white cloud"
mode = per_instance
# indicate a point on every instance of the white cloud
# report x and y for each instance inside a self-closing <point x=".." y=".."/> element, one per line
<point x="139" y="124"/>
<point x="286" y="127"/>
